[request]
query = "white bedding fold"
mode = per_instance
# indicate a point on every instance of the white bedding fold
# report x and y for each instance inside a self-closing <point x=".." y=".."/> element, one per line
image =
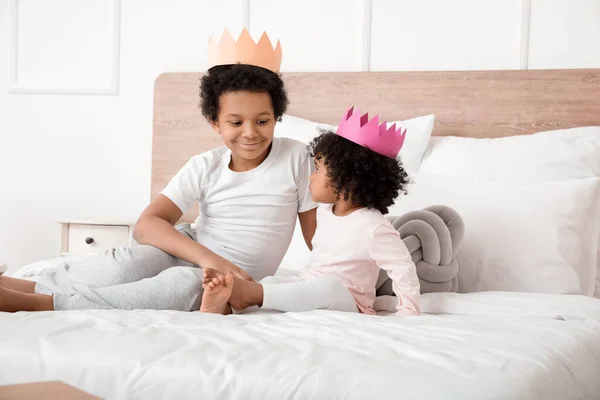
<point x="476" y="346"/>
<point x="508" y="304"/>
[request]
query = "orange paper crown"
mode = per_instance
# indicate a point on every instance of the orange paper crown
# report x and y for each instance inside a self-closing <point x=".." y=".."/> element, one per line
<point x="245" y="50"/>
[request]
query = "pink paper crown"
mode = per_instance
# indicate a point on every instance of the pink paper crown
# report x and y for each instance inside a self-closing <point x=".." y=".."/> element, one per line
<point x="376" y="137"/>
<point x="245" y="50"/>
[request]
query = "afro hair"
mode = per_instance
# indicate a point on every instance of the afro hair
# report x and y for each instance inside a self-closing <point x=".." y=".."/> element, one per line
<point x="240" y="77"/>
<point x="367" y="178"/>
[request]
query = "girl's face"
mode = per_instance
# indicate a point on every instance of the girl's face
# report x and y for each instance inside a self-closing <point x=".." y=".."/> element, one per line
<point x="320" y="187"/>
<point x="246" y="123"/>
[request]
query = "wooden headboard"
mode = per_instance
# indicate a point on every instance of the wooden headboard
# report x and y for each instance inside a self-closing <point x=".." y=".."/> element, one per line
<point x="466" y="103"/>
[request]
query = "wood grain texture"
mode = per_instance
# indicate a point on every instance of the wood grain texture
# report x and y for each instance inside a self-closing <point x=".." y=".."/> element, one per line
<point x="481" y="104"/>
<point x="44" y="391"/>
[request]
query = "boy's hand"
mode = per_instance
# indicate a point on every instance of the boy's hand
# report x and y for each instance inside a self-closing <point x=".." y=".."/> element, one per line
<point x="224" y="266"/>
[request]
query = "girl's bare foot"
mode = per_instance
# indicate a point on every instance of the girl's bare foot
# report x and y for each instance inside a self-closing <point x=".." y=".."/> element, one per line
<point x="13" y="301"/>
<point x="217" y="291"/>
<point x="19" y="285"/>
<point x="245" y="294"/>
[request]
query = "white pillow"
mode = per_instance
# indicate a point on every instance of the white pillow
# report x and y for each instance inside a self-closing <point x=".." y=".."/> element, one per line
<point x="543" y="156"/>
<point x="418" y="132"/>
<point x="299" y="128"/>
<point x="540" y="157"/>
<point x="528" y="237"/>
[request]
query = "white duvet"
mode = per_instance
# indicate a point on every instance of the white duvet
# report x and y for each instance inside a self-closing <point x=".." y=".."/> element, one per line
<point x="476" y="346"/>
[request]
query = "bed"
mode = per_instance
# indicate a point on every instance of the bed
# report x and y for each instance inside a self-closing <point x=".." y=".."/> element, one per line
<point x="539" y="340"/>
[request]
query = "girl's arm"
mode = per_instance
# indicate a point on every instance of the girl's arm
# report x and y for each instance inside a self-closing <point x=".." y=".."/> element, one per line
<point x="308" y="224"/>
<point x="390" y="253"/>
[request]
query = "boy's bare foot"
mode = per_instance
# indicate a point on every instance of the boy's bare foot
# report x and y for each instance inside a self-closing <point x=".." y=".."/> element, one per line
<point x="209" y="275"/>
<point x="20" y="285"/>
<point x="13" y="301"/>
<point x="245" y="294"/>
<point x="217" y="291"/>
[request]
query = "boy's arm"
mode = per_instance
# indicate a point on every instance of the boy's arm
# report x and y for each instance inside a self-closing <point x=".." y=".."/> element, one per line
<point x="308" y="224"/>
<point x="155" y="226"/>
<point x="390" y="253"/>
<point x="307" y="207"/>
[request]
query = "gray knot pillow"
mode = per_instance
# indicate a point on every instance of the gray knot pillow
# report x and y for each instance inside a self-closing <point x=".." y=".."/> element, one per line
<point x="432" y="236"/>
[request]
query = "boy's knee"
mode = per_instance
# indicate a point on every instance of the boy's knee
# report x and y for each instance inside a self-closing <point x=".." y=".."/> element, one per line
<point x="140" y="256"/>
<point x="147" y="253"/>
<point x="185" y="279"/>
<point x="189" y="273"/>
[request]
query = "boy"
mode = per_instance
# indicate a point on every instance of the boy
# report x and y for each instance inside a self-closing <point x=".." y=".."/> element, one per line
<point x="250" y="192"/>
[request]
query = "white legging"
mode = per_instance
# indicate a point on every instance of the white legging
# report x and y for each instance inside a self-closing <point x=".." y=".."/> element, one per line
<point x="294" y="294"/>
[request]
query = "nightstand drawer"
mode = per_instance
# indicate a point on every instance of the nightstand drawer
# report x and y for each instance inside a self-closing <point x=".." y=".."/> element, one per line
<point x="93" y="238"/>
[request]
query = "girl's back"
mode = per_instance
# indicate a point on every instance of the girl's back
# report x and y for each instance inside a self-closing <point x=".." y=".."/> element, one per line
<point x="354" y="248"/>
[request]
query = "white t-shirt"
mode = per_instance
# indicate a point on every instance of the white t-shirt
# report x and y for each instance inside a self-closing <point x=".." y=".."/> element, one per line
<point x="246" y="217"/>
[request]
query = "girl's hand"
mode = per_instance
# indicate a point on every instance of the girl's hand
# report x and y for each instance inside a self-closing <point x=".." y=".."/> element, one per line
<point x="225" y="266"/>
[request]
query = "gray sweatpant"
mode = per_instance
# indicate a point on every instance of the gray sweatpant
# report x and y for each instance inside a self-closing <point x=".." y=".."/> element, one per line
<point x="137" y="277"/>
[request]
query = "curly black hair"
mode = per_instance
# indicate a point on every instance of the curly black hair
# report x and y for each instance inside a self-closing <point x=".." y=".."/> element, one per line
<point x="222" y="79"/>
<point x="368" y="178"/>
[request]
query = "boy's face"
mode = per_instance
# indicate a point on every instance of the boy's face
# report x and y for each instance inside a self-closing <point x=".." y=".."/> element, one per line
<point x="246" y="122"/>
<point x="320" y="187"/>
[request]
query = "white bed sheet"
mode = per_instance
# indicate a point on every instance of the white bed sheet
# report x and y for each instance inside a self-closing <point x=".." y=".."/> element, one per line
<point x="468" y="346"/>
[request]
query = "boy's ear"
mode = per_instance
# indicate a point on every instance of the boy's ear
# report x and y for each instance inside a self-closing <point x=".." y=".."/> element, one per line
<point x="215" y="126"/>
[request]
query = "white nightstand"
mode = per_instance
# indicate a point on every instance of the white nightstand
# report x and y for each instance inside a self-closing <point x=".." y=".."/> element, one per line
<point x="84" y="237"/>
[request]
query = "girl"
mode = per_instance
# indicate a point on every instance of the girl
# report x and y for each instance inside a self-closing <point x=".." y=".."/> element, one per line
<point x="357" y="177"/>
<point x="251" y="192"/>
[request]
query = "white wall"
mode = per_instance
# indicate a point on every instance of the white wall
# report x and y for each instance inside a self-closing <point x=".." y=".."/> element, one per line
<point x="86" y="151"/>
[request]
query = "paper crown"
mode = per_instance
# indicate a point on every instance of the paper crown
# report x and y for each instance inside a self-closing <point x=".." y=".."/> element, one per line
<point x="376" y="137"/>
<point x="245" y="50"/>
